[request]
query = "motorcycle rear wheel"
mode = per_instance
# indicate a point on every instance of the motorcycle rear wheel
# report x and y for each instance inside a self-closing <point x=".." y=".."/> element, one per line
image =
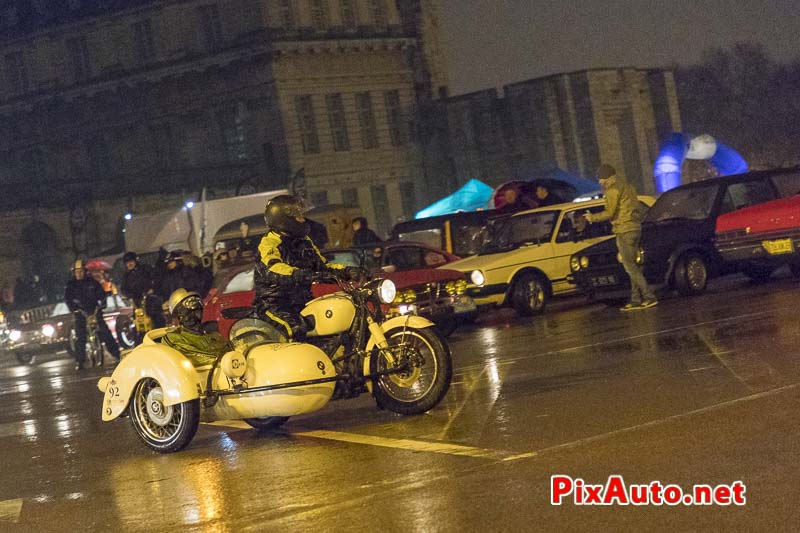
<point x="425" y="383"/>
<point x="266" y="423"/>
<point x="165" y="429"/>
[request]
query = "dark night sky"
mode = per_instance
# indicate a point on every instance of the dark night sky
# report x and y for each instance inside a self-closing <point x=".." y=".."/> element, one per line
<point x="489" y="43"/>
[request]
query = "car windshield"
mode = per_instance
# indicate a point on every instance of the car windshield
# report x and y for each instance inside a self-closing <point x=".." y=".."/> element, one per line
<point x="533" y="228"/>
<point x="692" y="203"/>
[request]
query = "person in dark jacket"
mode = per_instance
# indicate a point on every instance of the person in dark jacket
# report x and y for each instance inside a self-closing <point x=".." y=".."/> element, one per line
<point x="138" y="284"/>
<point x="84" y="296"/>
<point x="172" y="278"/>
<point x="543" y="196"/>
<point x="288" y="260"/>
<point x="362" y="234"/>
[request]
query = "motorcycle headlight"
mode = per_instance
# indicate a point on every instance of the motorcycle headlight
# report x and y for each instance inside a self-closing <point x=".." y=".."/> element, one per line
<point x="477" y="278"/>
<point x="584" y="262"/>
<point x="387" y="291"/>
<point x="574" y="264"/>
<point x="640" y="256"/>
<point x="15" y="335"/>
<point x="48" y="330"/>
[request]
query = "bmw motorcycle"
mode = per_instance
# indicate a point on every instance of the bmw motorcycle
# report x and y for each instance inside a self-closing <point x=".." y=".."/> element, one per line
<point x="351" y="349"/>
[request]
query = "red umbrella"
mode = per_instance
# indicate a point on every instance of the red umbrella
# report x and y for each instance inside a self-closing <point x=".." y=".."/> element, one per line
<point x="98" y="264"/>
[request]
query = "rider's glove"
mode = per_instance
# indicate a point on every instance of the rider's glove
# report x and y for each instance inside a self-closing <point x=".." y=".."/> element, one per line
<point x="302" y="276"/>
<point x="354" y="273"/>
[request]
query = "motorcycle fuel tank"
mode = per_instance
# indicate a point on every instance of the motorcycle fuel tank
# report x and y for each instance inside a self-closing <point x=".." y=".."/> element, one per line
<point x="272" y="364"/>
<point x="333" y="313"/>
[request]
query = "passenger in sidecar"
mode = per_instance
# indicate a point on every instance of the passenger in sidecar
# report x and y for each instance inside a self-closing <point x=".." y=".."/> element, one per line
<point x="199" y="347"/>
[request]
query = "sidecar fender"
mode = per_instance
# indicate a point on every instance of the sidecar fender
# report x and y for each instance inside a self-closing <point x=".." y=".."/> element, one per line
<point x="408" y="321"/>
<point x="174" y="372"/>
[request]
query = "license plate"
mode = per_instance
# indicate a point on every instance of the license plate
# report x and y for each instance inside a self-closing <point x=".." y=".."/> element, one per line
<point x="603" y="281"/>
<point x="779" y="246"/>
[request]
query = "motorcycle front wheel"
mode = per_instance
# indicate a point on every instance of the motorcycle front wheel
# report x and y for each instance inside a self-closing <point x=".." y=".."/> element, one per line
<point x="427" y="370"/>
<point x="165" y="429"/>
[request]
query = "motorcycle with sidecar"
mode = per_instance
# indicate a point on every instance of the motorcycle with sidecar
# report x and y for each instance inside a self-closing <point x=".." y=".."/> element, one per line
<point x="350" y="349"/>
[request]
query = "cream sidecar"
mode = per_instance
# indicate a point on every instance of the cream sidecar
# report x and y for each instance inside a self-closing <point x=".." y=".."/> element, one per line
<point x="166" y="397"/>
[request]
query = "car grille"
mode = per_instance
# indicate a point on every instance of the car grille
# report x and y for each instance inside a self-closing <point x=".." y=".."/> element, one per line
<point x="602" y="260"/>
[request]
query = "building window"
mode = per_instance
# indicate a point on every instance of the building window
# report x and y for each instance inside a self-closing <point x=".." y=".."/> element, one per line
<point x="341" y="141"/>
<point x="394" y="116"/>
<point x="308" y="124"/>
<point x="319" y="15"/>
<point x="380" y="206"/>
<point x="232" y="126"/>
<point x="212" y="26"/>
<point x="408" y="198"/>
<point x="143" y="39"/>
<point x="16" y="72"/>
<point x="81" y="63"/>
<point x="348" y="12"/>
<point x="286" y="14"/>
<point x="319" y="198"/>
<point x="378" y="11"/>
<point x="350" y="197"/>
<point x="366" y="119"/>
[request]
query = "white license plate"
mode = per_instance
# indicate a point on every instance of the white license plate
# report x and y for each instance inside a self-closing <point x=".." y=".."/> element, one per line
<point x="603" y="281"/>
<point x="779" y="246"/>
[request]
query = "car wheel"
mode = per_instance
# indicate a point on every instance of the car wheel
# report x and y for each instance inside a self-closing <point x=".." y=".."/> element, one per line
<point x="691" y="274"/>
<point x="529" y="295"/>
<point x="757" y="273"/>
<point x="25" y="358"/>
<point x="126" y="332"/>
<point x="446" y="327"/>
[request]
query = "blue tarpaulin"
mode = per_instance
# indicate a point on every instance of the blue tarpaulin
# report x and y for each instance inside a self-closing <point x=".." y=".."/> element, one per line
<point x="472" y="196"/>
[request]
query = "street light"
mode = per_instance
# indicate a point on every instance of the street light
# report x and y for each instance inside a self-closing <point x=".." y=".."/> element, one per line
<point x="128" y="216"/>
<point x="189" y="204"/>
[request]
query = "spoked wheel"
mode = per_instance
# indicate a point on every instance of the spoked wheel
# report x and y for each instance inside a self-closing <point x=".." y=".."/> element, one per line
<point x="426" y="371"/>
<point x="163" y="428"/>
<point x="267" y="423"/>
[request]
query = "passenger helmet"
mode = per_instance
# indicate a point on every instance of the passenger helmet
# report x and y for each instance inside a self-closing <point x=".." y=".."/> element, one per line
<point x="286" y="214"/>
<point x="181" y="296"/>
<point x="130" y="256"/>
<point x="77" y="265"/>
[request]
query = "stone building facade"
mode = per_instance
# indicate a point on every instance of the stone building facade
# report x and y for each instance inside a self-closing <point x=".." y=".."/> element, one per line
<point x="108" y="107"/>
<point x="571" y="121"/>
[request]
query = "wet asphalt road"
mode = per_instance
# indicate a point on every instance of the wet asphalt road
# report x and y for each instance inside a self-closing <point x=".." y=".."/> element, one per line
<point x="697" y="390"/>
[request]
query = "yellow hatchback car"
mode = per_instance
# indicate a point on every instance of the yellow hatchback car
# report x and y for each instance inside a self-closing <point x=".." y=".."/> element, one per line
<point x="526" y="259"/>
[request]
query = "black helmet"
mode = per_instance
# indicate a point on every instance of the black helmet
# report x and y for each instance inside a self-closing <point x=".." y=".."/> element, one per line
<point x="285" y="214"/>
<point x="130" y="256"/>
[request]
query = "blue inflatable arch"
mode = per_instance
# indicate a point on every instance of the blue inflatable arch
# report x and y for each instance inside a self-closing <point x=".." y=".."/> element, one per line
<point x="682" y="146"/>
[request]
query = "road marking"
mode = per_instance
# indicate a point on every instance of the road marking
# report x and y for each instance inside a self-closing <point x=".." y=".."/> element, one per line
<point x="660" y="421"/>
<point x="10" y="510"/>
<point x="416" y="445"/>
<point x="402" y="444"/>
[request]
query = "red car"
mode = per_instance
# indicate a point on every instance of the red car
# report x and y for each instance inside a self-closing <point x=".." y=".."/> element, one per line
<point x="762" y="237"/>
<point x="422" y="289"/>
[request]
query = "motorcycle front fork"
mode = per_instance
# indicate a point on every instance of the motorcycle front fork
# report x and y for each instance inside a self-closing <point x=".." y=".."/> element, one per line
<point x="377" y="333"/>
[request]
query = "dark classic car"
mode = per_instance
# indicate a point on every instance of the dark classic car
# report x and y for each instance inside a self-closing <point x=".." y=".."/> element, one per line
<point x="763" y="237"/>
<point x="678" y="247"/>
<point x="439" y="294"/>
<point x="49" y="328"/>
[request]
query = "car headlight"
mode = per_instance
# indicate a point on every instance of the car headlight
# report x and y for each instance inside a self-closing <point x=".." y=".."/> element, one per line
<point x="574" y="264"/>
<point x="640" y="256"/>
<point x="387" y="291"/>
<point x="15" y="335"/>
<point x="48" y="330"/>
<point x="477" y="278"/>
<point x="584" y="262"/>
<point x="407" y="296"/>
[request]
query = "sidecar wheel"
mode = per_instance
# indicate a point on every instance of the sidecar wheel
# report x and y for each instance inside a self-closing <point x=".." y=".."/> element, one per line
<point x="424" y="384"/>
<point x="165" y="429"/>
<point x="267" y="423"/>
